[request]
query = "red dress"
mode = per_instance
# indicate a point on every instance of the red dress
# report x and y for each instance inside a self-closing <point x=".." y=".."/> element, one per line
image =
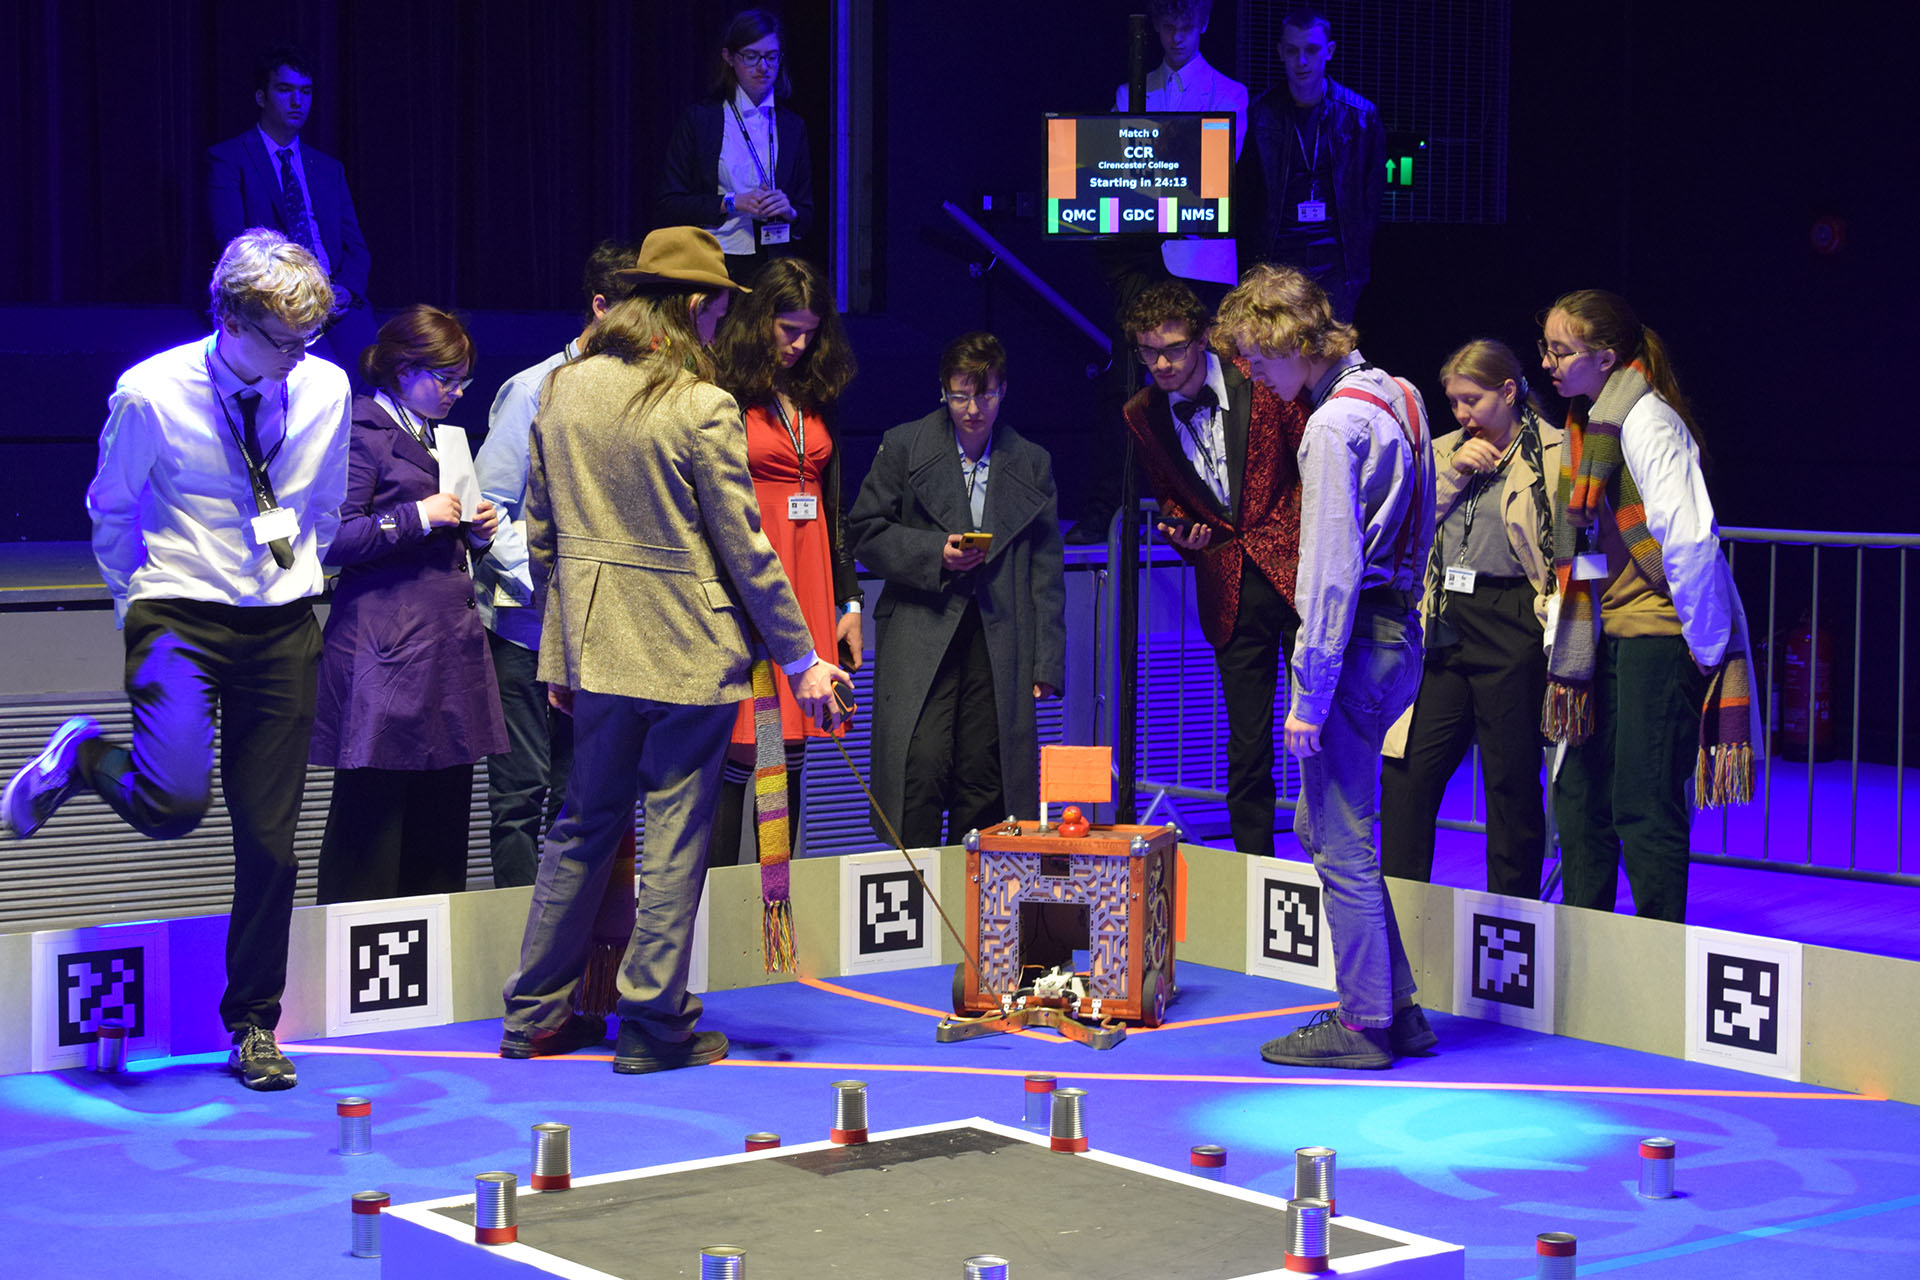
<point x="805" y="547"/>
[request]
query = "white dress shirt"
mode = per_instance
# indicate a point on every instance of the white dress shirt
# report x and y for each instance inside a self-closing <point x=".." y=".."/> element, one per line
<point x="171" y="503"/>
<point x="738" y="172"/>
<point x="306" y="191"/>
<point x="1209" y="428"/>
<point x="1197" y="87"/>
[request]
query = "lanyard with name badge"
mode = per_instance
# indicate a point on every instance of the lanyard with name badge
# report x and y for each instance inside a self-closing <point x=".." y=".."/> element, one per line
<point x="801" y="506"/>
<point x="770" y="232"/>
<point x="1460" y="578"/>
<point x="1311" y="209"/>
<point x="274" y="524"/>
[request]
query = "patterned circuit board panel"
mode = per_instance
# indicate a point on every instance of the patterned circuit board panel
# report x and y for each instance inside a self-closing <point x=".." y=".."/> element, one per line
<point x="1100" y="884"/>
<point x="1159" y="919"/>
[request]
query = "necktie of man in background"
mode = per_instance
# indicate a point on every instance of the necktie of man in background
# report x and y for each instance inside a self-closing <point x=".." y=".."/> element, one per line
<point x="293" y="202"/>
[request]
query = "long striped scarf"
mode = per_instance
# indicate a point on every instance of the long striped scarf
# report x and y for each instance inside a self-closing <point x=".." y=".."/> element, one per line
<point x="1592" y="463"/>
<point x="777" y="948"/>
<point x="598" y="991"/>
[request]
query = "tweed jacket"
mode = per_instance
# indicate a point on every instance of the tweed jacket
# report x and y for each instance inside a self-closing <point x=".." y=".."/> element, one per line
<point x="1262" y="518"/>
<point x="644" y="541"/>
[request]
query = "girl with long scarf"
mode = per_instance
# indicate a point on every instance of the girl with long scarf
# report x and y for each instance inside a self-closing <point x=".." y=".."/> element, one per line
<point x="1648" y="667"/>
<point x="1488" y="581"/>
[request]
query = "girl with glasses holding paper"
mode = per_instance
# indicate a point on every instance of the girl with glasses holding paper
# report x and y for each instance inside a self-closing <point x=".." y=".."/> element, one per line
<point x="407" y="702"/>
<point x="738" y="163"/>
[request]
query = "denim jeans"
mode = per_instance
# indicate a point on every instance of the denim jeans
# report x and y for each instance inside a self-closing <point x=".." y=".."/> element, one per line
<point x="1379" y="676"/>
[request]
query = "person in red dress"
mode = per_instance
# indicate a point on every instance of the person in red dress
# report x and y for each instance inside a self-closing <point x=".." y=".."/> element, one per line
<point x="783" y="354"/>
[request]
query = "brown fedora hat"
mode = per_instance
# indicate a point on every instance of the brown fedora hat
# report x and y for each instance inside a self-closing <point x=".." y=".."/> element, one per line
<point x="680" y="256"/>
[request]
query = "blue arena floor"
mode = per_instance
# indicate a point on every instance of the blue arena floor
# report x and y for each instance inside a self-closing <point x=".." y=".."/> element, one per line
<point x="173" y="1170"/>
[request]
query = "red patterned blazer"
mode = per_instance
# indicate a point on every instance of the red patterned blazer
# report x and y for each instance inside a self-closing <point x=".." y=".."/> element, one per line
<point x="1262" y="517"/>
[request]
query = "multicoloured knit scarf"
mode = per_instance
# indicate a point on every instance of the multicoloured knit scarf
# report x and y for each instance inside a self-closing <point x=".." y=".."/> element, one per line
<point x="1592" y="462"/>
<point x="777" y="948"/>
<point x="598" y="991"/>
<point x="1527" y="446"/>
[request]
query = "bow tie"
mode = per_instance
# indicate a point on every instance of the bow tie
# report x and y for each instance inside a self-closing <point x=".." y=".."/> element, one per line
<point x="1186" y="409"/>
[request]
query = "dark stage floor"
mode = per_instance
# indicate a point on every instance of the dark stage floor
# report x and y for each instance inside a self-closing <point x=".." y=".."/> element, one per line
<point x="173" y="1170"/>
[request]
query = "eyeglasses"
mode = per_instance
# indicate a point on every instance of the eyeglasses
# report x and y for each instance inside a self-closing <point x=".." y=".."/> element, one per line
<point x="292" y="348"/>
<point x="1173" y="352"/>
<point x="961" y="399"/>
<point x="753" y="59"/>
<point x="448" y="380"/>
<point x="1556" y="358"/>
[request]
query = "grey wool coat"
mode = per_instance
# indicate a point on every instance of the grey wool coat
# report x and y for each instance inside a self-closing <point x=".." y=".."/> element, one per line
<point x="913" y="498"/>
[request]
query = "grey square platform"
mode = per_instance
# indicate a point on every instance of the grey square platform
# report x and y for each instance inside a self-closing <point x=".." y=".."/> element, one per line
<point x="909" y="1203"/>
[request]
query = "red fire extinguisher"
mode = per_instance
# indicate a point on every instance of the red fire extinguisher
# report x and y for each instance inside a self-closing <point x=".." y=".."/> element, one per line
<point x="1808" y="659"/>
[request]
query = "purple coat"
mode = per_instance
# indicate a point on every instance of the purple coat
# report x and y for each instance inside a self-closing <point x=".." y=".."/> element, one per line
<point x="405" y="678"/>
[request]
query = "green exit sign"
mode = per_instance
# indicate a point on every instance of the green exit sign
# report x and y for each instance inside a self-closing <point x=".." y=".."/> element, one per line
<point x="1405" y="151"/>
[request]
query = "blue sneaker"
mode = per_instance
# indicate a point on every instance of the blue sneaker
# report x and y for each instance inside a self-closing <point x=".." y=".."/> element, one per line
<point x="47" y="780"/>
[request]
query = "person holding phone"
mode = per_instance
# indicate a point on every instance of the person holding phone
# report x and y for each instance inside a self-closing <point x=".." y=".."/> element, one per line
<point x="967" y="635"/>
<point x="1218" y="449"/>
<point x="783" y="354"/>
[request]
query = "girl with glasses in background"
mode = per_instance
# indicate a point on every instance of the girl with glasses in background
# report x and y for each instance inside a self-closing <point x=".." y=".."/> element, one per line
<point x="737" y="164"/>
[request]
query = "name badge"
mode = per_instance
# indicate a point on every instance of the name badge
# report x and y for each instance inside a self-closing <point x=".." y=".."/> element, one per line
<point x="275" y="523"/>
<point x="1591" y="567"/>
<point x="1310" y="211"/>
<point x="803" y="506"/>
<point x="1459" y="578"/>
<point x="775" y="232"/>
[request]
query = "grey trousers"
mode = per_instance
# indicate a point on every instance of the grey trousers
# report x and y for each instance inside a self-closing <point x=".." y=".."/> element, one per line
<point x="624" y="747"/>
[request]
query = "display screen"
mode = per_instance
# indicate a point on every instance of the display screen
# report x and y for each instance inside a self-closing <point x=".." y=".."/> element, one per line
<point x="1162" y="174"/>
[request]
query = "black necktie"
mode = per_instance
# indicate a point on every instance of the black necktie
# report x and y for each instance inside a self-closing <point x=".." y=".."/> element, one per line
<point x="256" y="462"/>
<point x="293" y="203"/>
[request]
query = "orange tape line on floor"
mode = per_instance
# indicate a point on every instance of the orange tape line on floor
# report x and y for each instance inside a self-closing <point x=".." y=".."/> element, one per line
<point x="1122" y="1077"/>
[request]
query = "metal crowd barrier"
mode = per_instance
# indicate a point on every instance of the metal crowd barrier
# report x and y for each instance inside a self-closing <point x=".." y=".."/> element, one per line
<point x="1844" y="818"/>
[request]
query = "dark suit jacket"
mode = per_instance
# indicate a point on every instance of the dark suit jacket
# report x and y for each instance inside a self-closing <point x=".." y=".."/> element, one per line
<point x="689" y="187"/>
<point x="405" y="677"/>
<point x="1263" y="487"/>
<point x="243" y="190"/>
<point x="912" y="499"/>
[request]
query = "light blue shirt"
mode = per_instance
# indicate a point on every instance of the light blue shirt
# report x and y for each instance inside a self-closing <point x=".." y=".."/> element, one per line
<point x="502" y="581"/>
<point x="1360" y="476"/>
<point x="973" y="478"/>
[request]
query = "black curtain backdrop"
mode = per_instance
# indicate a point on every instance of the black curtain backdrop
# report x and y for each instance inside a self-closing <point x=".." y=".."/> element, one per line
<point x="489" y="144"/>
